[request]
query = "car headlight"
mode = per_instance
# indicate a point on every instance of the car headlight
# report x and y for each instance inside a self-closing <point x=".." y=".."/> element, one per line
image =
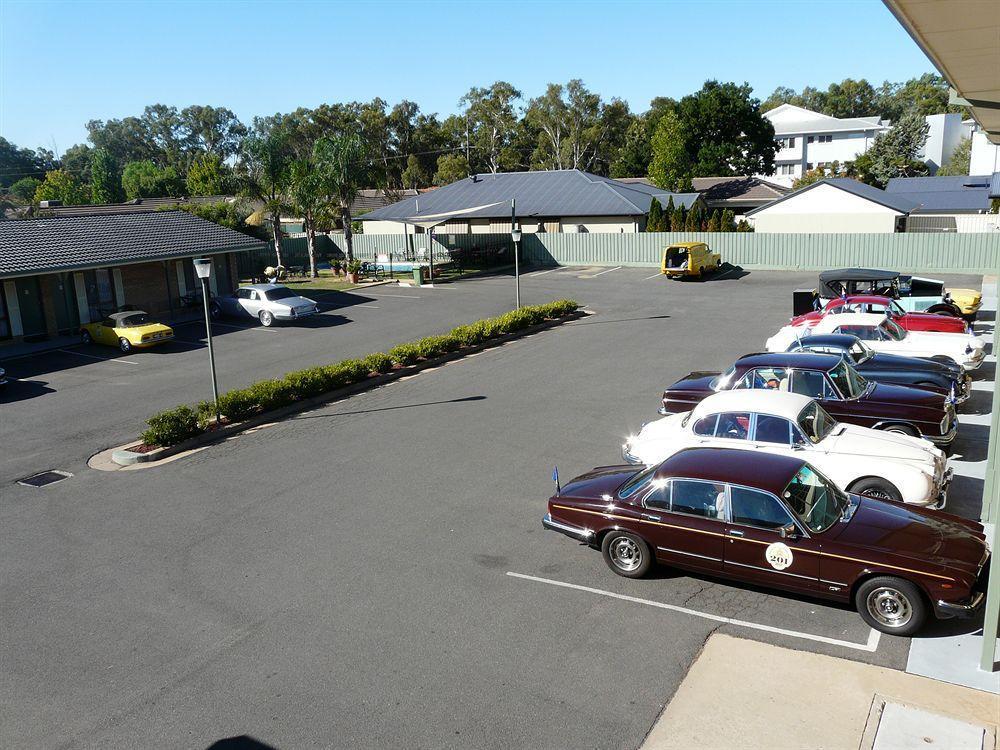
<point x="968" y="348"/>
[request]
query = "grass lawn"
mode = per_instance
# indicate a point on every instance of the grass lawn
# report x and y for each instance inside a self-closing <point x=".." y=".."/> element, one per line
<point x="326" y="282"/>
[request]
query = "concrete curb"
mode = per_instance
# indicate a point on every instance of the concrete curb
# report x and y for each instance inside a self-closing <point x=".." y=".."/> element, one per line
<point x="125" y="457"/>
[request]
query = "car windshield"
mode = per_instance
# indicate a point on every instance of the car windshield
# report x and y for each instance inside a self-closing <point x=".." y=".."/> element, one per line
<point x="139" y="319"/>
<point x="896" y="308"/>
<point x="637" y="481"/>
<point x="848" y="381"/>
<point x="721" y="382"/>
<point x="860" y="352"/>
<point x="815" y="422"/>
<point x="893" y="330"/>
<point x="815" y="499"/>
<point x="282" y="292"/>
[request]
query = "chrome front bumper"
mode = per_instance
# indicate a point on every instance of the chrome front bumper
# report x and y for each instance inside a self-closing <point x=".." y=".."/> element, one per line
<point x="941" y="495"/>
<point x="947" y="439"/>
<point x="628" y="457"/>
<point x="964" y="609"/>
<point x="576" y="532"/>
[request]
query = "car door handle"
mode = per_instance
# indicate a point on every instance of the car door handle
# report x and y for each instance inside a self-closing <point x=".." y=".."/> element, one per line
<point x="735" y="532"/>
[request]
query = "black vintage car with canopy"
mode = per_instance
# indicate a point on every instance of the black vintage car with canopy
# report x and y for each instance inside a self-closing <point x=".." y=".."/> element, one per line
<point x="892" y="284"/>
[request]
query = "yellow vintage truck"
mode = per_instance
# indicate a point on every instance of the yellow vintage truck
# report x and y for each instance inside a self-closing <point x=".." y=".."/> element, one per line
<point x="689" y="259"/>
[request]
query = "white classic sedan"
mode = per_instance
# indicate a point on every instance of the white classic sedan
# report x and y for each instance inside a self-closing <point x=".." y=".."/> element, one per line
<point x="266" y="302"/>
<point x="882" y="334"/>
<point x="868" y="462"/>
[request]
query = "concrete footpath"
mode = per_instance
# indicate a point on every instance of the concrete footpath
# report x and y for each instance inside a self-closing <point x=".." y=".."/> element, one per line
<point x="745" y="694"/>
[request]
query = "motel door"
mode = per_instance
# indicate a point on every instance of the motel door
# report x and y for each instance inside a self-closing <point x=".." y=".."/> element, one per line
<point x="29" y="302"/>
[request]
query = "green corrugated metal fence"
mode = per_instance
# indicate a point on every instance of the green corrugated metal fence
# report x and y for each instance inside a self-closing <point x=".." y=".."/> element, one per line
<point x="936" y="253"/>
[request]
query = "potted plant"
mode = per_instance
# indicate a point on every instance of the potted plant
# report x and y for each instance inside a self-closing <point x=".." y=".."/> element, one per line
<point x="337" y="265"/>
<point x="353" y="271"/>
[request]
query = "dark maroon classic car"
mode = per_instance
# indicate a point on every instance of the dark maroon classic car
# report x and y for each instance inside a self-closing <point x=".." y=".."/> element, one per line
<point x="775" y="521"/>
<point x="834" y="383"/>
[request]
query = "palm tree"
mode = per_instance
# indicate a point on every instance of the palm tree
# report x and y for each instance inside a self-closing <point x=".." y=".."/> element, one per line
<point x="309" y="200"/>
<point x="344" y="167"/>
<point x="264" y="168"/>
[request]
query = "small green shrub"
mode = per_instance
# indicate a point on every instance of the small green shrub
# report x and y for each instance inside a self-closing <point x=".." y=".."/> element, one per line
<point x="468" y="335"/>
<point x="404" y="354"/>
<point x="237" y="405"/>
<point x="273" y="394"/>
<point x="206" y="414"/>
<point x="377" y="362"/>
<point x="308" y="383"/>
<point x="171" y="426"/>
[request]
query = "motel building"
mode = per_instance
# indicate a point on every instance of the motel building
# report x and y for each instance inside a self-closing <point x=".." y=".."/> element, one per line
<point x="58" y="273"/>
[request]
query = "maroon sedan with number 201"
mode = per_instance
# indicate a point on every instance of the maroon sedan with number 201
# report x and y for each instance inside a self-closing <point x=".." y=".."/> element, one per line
<point x="776" y="521"/>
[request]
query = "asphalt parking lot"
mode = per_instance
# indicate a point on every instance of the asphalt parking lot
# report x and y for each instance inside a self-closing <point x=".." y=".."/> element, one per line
<point x="374" y="573"/>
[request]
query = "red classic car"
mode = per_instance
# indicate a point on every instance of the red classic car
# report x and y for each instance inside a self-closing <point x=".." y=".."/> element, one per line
<point x="869" y="303"/>
<point x="776" y="521"/>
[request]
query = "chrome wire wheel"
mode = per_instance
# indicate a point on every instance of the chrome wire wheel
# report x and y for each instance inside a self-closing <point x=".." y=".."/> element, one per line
<point x="625" y="554"/>
<point x="890" y="607"/>
<point x="878" y="494"/>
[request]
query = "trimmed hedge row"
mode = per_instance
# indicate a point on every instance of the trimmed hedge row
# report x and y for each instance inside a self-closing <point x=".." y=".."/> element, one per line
<point x="182" y="422"/>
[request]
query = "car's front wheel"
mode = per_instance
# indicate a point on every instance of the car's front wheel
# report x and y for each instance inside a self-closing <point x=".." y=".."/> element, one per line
<point x="891" y="605"/>
<point x="880" y="489"/>
<point x="215" y="310"/>
<point x="901" y="429"/>
<point x="626" y="554"/>
<point x="266" y="318"/>
<point x="125" y="345"/>
<point x="85" y="337"/>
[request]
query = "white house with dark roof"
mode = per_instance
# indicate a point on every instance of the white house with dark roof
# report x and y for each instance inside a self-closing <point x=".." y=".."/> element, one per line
<point x="833" y="206"/>
<point x="810" y="139"/>
<point x="566" y="200"/>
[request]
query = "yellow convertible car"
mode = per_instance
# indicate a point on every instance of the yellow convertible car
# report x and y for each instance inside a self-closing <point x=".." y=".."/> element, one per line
<point x="127" y="330"/>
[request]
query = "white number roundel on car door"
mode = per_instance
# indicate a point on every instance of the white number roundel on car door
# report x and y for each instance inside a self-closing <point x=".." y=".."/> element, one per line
<point x="778" y="555"/>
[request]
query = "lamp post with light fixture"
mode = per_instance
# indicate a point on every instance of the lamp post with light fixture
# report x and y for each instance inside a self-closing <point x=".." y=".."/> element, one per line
<point x="515" y="235"/>
<point x="203" y="267"/>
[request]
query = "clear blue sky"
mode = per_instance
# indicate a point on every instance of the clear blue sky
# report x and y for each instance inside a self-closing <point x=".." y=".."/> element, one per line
<point x="64" y="63"/>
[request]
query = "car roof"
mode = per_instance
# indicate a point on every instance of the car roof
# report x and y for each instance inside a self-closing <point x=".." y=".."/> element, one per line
<point x="763" y="401"/>
<point x="685" y="244"/>
<point x="126" y="314"/>
<point x="806" y="360"/>
<point x="262" y="287"/>
<point x="845" y="340"/>
<point x="768" y="471"/>
<point x="872" y="299"/>
<point x="857" y="274"/>
<point x="828" y="323"/>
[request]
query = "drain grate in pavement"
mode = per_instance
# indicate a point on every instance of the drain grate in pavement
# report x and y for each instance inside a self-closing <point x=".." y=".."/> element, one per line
<point x="44" y="478"/>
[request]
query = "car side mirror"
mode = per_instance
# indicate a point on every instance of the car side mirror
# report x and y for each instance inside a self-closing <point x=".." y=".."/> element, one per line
<point x="787" y="531"/>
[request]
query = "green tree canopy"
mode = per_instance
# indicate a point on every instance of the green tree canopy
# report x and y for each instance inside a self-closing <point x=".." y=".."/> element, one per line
<point x="491" y="121"/>
<point x="105" y="182"/>
<point x="143" y="179"/>
<point x="209" y="175"/>
<point x="717" y="131"/>
<point x="451" y="168"/>
<point x="24" y="189"/>
<point x="894" y="153"/>
<point x="62" y="186"/>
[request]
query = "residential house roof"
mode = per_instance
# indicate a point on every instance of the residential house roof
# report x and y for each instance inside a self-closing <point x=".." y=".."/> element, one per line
<point x="962" y="194"/>
<point x="553" y="193"/>
<point x="789" y="119"/>
<point x="74" y="243"/>
<point x="898" y="203"/>
<point x="138" y="206"/>
<point x="737" y="192"/>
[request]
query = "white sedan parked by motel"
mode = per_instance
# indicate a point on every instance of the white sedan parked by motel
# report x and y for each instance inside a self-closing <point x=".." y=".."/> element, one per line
<point x="267" y="303"/>
<point x="869" y="462"/>
<point x="882" y="334"/>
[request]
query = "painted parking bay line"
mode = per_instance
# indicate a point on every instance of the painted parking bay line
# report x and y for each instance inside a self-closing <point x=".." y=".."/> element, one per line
<point x="117" y="361"/>
<point x="601" y="273"/>
<point x="870" y="646"/>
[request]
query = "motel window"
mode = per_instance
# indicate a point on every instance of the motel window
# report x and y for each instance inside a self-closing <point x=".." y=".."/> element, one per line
<point x="100" y="293"/>
<point x="791" y="143"/>
<point x="810" y="139"/>
<point x="809" y="165"/>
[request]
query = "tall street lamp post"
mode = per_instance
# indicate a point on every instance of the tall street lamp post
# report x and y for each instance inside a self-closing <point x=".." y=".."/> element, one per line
<point x="515" y="235"/>
<point x="203" y="267"/>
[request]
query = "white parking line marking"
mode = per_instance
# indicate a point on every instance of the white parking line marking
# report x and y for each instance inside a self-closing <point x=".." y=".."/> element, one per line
<point x="601" y="273"/>
<point x="542" y="273"/>
<point x="655" y="275"/>
<point x="403" y="296"/>
<point x="243" y="328"/>
<point x="870" y="646"/>
<point x="100" y="359"/>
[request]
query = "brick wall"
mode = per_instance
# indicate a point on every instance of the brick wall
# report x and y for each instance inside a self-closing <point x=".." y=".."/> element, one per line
<point x="148" y="287"/>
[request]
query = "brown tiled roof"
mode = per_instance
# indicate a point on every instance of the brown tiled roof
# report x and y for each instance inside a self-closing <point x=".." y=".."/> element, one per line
<point x="737" y="191"/>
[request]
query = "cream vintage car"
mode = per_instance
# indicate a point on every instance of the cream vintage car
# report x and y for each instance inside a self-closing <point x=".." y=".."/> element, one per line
<point x="867" y="462"/>
<point x="882" y="334"/>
